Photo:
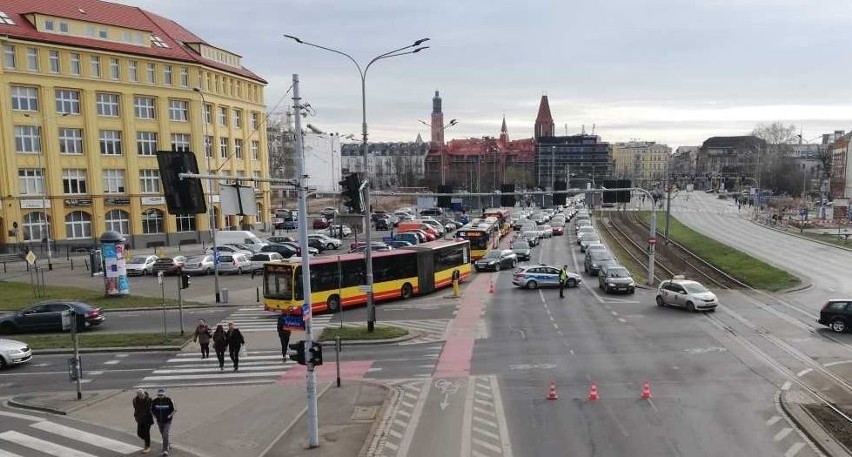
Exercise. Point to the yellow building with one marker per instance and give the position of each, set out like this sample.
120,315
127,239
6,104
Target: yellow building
642,162
89,91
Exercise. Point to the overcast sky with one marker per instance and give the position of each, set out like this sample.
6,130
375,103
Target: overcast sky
671,71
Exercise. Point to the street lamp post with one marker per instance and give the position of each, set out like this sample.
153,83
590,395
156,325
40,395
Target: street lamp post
212,215
368,251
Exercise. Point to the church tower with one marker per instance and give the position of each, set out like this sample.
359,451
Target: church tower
544,121
504,134
437,121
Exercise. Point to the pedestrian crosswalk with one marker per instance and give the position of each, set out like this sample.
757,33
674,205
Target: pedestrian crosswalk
44,437
255,319
189,370
429,330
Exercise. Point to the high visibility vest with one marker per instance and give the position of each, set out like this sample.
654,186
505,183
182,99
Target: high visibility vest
563,274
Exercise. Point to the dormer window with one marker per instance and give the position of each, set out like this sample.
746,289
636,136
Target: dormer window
4,19
158,42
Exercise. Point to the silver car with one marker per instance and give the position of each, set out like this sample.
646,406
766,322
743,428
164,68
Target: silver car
141,265
261,258
234,263
521,248
587,239
199,265
690,295
14,352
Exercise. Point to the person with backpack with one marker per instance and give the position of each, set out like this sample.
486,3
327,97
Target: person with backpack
220,344
283,335
235,343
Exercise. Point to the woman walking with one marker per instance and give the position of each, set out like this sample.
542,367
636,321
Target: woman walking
235,343
220,343
144,418
202,335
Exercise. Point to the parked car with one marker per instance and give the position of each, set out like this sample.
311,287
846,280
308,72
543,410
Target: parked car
683,293
247,248
47,316
616,279
199,265
377,247
521,248
329,212
335,229
320,223
836,314
170,265
286,250
295,245
228,249
280,239
234,263
383,224
496,260
257,260
535,276
290,225
396,244
141,265
328,242
14,352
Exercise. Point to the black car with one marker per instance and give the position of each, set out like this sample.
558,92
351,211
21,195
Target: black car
836,314
496,260
47,316
383,223
285,250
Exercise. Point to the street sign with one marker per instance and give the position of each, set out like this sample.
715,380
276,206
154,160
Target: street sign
652,241
160,278
294,321
31,258
364,288
306,312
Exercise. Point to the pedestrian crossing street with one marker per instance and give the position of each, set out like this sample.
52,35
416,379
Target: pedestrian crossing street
44,437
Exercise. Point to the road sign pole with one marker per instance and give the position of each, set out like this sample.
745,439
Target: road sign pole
163,290
75,335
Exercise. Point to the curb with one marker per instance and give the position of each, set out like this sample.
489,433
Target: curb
110,350
171,307
410,336
801,237
808,425
797,289
377,421
47,409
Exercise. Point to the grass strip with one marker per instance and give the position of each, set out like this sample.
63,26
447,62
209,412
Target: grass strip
754,272
359,332
637,270
104,340
19,295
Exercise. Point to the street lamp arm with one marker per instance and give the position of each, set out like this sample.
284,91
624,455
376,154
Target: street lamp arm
297,40
394,53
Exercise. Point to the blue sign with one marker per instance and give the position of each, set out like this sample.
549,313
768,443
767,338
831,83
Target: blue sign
294,321
305,311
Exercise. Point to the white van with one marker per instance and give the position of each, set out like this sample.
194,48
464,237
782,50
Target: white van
238,237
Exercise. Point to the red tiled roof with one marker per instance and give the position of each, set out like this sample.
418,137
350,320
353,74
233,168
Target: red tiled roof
101,12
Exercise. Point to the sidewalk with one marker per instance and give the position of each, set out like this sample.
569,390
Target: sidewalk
240,421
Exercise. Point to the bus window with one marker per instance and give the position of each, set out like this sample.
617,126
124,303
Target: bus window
279,284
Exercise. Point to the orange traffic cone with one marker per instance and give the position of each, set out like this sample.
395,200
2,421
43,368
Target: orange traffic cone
593,392
491,287
646,391
551,394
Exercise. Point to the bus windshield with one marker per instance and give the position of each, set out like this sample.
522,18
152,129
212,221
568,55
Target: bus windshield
278,283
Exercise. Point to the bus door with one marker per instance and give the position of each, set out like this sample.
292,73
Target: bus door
426,270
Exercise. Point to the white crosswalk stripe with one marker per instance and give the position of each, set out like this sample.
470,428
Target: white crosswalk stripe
255,319
51,438
432,329
187,369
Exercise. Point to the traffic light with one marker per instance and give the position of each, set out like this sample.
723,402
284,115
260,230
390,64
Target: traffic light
184,281
351,195
610,197
299,355
559,198
183,196
444,202
623,196
315,358
507,201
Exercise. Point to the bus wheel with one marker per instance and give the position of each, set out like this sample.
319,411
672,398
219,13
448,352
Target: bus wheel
407,291
333,303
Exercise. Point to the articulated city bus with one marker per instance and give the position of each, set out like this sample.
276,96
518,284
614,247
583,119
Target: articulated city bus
483,234
337,280
503,217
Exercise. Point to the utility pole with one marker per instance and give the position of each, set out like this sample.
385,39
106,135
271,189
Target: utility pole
307,311
668,201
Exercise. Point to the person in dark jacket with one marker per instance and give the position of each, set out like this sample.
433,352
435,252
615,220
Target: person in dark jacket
163,410
144,419
283,335
235,343
202,335
220,344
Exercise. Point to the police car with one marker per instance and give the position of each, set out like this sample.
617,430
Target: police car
535,276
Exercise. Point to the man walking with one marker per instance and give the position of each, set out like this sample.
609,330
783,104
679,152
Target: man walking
235,343
144,419
283,335
563,278
163,410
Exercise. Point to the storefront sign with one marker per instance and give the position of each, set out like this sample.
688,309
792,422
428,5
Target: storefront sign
78,202
153,200
34,204
117,201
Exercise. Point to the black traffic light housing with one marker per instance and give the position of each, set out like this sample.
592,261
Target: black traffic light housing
315,358
445,201
610,196
184,281
559,198
349,188
299,355
507,200
183,196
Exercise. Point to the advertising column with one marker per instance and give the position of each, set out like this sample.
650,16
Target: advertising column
115,276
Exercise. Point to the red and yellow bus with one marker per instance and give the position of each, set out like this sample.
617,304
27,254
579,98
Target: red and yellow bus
503,217
483,234
337,280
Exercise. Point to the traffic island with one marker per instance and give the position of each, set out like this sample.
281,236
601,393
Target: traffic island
826,429
358,334
89,342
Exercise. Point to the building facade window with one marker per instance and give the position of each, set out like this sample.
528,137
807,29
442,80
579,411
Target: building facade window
75,64
255,120
113,181
223,147
34,226
149,181
144,107
152,74
255,150
208,146
208,114
133,70
9,60
223,116
110,142
146,143
255,183
63,27
67,101
107,104
179,110
70,141
152,221
167,75
238,119
184,77
28,139
78,224
95,66
32,59
238,148
181,142
74,182
118,221
24,98
31,181
114,69
185,222
55,66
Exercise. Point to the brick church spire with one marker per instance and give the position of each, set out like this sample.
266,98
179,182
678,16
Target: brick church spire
544,121
437,121
504,133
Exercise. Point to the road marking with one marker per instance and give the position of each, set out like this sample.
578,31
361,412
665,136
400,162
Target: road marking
467,418
392,446
615,419
482,431
772,420
483,411
486,445
221,376
85,437
485,421
8,454
121,356
804,372
794,449
614,313
622,320
831,364
782,434
25,417
112,362
95,373
394,433
409,428
555,326
41,445
786,385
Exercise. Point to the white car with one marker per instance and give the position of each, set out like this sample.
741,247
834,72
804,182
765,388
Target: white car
335,229
327,241
14,352
547,230
141,265
261,258
683,293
